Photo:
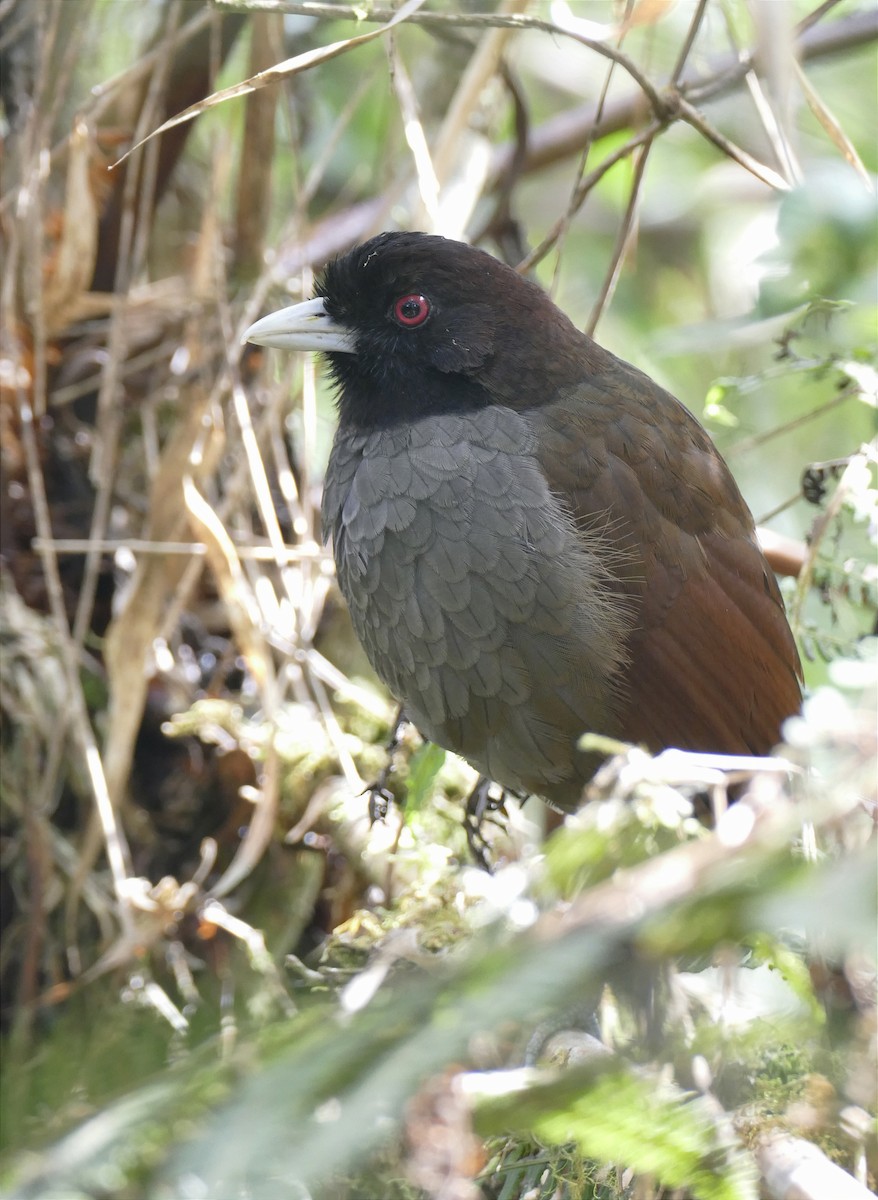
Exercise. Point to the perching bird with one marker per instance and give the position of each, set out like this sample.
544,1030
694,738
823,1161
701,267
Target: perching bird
534,539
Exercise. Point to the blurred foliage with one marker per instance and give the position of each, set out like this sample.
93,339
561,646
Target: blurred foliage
262,996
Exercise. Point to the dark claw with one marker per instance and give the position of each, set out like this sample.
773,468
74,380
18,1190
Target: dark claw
380,800
482,806
380,795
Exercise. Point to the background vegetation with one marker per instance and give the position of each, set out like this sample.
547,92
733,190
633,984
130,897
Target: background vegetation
218,979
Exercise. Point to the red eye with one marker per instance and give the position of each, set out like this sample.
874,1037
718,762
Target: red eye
411,310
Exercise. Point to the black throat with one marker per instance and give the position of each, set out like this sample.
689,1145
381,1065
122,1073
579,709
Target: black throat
372,401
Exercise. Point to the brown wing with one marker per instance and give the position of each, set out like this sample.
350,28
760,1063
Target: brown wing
713,664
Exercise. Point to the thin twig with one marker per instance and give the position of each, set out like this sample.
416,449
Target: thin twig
586,184
817,15
290,554
578,194
118,854
688,42
623,238
132,251
425,172
451,141
563,135
745,445
698,121
104,93
459,20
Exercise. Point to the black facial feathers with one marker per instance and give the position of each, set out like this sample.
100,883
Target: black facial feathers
485,328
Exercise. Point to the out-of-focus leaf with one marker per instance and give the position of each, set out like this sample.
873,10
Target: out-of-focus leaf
836,906
832,126
615,1115
426,763
336,1091
325,1091
714,404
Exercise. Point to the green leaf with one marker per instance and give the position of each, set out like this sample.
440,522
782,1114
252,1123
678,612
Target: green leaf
618,1116
426,763
715,408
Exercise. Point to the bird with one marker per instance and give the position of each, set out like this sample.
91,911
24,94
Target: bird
534,539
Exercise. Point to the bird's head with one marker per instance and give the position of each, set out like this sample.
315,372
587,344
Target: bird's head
413,324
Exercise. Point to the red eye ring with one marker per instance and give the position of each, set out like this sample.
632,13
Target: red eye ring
412,310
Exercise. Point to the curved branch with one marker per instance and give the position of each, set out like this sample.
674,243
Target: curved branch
561,136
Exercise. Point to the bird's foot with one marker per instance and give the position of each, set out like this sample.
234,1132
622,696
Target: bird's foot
380,800
379,792
483,804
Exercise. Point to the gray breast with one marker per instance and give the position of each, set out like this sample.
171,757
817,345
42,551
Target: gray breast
479,603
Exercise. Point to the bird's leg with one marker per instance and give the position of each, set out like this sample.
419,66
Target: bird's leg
380,795
481,805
